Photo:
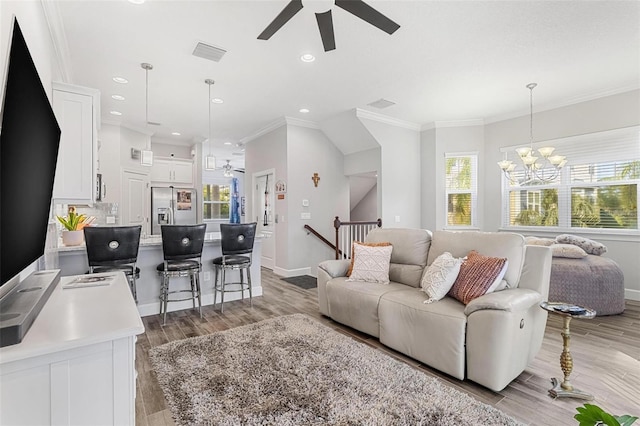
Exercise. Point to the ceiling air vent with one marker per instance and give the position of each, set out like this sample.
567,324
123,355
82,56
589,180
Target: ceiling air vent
209,52
381,103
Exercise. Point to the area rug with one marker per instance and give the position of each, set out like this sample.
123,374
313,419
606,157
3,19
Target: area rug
302,281
292,370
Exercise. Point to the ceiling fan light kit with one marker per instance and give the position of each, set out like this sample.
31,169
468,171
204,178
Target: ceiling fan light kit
325,20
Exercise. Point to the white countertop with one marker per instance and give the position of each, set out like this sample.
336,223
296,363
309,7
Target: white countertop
77,317
149,240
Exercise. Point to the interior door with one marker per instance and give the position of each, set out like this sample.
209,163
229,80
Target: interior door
264,213
135,199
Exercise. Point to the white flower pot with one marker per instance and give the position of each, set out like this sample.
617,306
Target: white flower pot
72,238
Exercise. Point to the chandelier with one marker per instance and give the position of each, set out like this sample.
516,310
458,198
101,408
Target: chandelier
228,169
209,160
534,172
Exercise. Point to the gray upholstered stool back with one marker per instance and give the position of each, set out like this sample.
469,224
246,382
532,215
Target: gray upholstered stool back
237,238
112,245
180,242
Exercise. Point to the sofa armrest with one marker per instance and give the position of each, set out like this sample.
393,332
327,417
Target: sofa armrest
512,300
335,268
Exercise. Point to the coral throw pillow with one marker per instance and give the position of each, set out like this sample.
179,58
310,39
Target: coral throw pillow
353,252
371,264
478,274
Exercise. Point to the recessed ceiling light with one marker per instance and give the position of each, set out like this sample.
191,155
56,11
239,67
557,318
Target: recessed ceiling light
120,80
217,100
304,110
136,1
115,113
227,143
117,97
176,133
307,57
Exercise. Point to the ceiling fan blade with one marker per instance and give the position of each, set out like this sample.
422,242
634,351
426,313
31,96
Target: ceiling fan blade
325,25
283,17
369,14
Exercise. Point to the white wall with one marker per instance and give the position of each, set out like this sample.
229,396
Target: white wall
611,112
399,176
310,151
367,208
164,148
428,189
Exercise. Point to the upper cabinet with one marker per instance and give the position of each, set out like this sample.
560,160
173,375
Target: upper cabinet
172,171
77,111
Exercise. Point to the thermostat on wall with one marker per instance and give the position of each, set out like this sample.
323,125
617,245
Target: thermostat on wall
305,203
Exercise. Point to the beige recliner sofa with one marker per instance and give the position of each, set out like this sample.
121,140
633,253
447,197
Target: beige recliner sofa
490,341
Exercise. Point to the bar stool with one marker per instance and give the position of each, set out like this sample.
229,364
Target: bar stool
182,250
237,240
114,249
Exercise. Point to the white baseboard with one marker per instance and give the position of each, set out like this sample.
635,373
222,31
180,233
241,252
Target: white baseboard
153,308
291,272
632,294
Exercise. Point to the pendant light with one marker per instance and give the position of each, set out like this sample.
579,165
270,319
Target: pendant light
533,172
146,156
209,160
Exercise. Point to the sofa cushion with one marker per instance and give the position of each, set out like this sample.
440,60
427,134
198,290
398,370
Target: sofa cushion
438,278
495,244
410,250
478,275
366,254
355,303
432,333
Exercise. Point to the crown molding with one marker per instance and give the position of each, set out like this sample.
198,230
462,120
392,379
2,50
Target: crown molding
292,121
58,38
567,102
452,123
381,118
264,130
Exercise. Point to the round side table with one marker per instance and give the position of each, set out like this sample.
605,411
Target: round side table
567,311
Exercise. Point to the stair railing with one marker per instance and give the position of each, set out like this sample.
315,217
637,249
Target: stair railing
348,232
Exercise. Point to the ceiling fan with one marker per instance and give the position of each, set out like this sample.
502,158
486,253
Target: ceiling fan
325,21
229,169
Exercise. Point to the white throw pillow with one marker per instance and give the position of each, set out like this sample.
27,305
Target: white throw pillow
568,250
371,264
439,277
499,283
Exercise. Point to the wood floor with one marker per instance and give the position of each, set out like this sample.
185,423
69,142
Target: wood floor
606,355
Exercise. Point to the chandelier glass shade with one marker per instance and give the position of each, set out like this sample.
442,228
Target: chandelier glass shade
543,167
209,160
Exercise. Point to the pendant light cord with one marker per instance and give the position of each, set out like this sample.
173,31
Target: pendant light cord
209,102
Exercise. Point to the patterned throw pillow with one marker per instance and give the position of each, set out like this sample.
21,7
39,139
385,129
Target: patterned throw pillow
353,256
439,276
567,250
477,275
371,264
589,246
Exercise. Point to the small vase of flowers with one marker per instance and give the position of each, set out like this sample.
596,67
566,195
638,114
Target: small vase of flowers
73,234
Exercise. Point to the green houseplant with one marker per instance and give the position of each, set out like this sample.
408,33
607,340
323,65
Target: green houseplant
592,415
73,223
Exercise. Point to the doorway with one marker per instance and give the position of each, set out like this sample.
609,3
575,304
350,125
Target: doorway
265,215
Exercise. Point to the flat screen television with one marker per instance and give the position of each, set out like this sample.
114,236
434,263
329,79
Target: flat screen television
29,140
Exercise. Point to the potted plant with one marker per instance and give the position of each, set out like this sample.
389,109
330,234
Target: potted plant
592,415
73,234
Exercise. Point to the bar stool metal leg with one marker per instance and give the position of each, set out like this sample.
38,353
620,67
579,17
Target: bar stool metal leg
242,283
250,286
215,286
222,291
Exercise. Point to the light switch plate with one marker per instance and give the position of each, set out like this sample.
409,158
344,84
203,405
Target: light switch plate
305,215
111,220
397,219
305,203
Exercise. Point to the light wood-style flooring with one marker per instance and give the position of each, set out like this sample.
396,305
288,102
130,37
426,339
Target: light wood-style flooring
606,356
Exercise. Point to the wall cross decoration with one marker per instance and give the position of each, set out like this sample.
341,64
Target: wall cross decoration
315,178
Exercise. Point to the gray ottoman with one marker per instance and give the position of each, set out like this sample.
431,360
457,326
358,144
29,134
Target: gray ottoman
594,282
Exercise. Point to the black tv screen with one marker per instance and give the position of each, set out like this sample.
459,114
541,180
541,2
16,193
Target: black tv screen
29,139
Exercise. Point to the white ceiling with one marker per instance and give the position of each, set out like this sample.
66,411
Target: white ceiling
450,60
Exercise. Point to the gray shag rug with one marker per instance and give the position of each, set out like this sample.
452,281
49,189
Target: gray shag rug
292,370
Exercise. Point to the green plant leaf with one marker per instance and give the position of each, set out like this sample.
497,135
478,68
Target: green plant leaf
626,420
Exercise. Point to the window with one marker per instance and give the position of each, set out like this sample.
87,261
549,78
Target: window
461,189
598,189
216,201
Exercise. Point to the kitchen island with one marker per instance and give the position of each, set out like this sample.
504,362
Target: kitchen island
73,261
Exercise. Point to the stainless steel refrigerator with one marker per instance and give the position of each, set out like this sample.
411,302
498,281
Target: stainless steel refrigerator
173,206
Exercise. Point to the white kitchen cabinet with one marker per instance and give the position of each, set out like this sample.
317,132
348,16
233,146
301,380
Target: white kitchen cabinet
76,364
76,109
172,171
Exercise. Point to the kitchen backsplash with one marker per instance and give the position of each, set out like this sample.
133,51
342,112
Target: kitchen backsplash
106,214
